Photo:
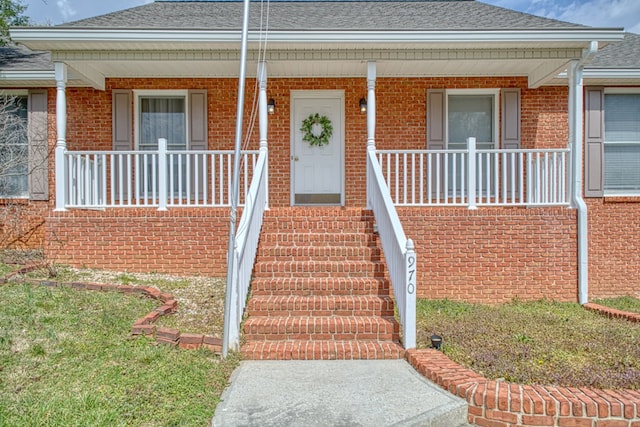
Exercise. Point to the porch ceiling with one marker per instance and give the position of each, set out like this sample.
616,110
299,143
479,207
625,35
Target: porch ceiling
538,64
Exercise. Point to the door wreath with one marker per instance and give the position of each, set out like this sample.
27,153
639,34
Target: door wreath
317,130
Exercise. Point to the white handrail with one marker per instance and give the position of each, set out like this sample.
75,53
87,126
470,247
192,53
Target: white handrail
398,251
118,179
244,255
496,177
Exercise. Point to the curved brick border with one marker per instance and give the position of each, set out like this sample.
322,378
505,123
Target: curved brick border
145,325
504,404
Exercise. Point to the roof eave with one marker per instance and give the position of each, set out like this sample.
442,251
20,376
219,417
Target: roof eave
53,38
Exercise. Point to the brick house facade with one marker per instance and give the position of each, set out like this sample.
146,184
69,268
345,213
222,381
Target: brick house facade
492,254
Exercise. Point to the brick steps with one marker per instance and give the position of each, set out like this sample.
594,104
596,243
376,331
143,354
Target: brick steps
306,286
321,328
320,289
345,268
321,350
320,253
294,305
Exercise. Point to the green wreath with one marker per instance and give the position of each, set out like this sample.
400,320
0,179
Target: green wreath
317,130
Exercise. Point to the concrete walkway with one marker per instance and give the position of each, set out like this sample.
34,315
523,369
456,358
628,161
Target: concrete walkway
335,393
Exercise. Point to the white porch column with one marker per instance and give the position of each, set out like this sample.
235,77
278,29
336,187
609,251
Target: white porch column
263,116
61,132
371,105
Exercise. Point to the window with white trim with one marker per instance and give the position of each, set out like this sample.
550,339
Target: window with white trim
621,175
161,114
472,113
14,147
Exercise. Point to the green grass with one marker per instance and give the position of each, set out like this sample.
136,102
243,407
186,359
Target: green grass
67,358
539,342
626,303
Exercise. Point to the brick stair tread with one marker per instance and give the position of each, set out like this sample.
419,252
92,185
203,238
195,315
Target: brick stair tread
307,286
323,305
321,328
343,238
313,268
319,253
321,350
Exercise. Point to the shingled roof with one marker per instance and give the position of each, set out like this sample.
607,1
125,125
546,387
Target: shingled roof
625,54
324,15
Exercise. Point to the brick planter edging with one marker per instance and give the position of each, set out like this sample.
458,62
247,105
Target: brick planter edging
145,325
495,403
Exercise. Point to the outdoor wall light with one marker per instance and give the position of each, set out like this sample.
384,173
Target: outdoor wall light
271,106
363,105
436,341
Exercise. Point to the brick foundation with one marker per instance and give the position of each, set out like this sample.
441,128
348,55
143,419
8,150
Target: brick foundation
493,255
179,241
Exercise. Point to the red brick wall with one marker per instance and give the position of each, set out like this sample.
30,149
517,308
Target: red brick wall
614,247
401,123
493,255
180,241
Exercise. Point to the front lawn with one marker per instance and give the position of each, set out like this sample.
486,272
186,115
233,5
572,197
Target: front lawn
67,358
539,342
626,303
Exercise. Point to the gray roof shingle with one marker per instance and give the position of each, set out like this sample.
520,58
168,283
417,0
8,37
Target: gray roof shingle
323,15
20,58
625,54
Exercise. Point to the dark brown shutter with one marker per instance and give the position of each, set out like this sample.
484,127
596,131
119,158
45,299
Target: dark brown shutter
436,116
37,134
511,118
122,122
198,135
594,141
198,120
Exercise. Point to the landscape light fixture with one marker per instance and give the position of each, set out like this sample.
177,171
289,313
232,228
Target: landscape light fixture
436,341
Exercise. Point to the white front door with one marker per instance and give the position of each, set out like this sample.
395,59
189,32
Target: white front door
317,171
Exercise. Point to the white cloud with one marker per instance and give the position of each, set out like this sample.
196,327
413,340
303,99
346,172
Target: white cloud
66,11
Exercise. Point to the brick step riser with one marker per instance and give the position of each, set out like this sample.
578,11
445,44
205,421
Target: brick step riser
306,227
321,328
318,239
318,253
319,269
321,350
320,287
283,308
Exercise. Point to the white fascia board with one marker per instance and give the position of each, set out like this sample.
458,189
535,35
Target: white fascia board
606,73
594,73
28,75
45,38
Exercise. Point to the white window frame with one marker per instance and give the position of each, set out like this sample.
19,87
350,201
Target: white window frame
616,91
496,110
21,93
137,94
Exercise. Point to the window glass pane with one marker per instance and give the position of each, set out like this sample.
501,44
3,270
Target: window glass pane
622,144
14,150
470,116
622,168
622,117
162,117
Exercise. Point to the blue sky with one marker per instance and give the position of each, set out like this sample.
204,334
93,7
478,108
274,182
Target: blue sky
597,13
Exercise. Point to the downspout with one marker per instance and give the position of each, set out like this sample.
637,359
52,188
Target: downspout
576,96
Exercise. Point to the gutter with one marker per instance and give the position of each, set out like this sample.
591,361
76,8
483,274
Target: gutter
576,109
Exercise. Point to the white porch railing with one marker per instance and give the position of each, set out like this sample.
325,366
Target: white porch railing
244,255
398,250
494,177
117,179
